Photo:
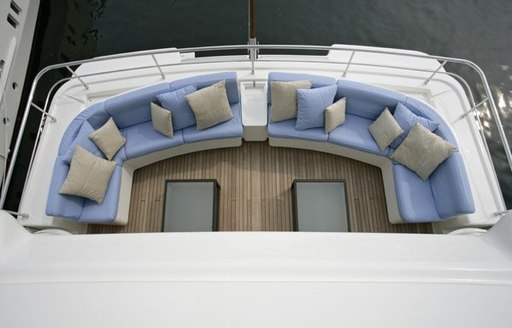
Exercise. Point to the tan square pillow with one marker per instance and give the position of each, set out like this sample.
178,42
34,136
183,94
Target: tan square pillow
284,99
108,139
422,151
162,120
385,129
210,105
335,115
88,176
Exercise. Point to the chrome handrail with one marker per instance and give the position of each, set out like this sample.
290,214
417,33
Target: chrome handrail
252,48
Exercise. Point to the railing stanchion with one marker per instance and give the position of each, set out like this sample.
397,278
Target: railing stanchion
476,106
23,215
349,63
434,73
78,77
158,66
54,119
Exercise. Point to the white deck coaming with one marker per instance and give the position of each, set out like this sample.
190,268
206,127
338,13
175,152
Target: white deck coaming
486,192
257,257
243,304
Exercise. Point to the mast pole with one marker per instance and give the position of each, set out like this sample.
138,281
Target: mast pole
253,52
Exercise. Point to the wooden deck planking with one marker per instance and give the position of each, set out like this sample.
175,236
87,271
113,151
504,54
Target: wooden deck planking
255,191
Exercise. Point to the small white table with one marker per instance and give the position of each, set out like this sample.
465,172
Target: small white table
320,205
254,110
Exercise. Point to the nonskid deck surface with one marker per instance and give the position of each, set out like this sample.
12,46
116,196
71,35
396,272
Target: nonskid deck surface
255,192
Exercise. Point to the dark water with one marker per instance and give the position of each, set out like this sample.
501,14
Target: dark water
477,30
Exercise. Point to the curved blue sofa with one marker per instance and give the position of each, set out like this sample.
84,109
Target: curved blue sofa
131,113
445,194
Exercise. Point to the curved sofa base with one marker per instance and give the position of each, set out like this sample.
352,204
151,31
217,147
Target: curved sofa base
381,162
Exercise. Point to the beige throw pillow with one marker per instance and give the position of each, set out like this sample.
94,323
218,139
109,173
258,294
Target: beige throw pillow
335,115
422,151
210,105
88,176
162,120
108,139
284,99
385,129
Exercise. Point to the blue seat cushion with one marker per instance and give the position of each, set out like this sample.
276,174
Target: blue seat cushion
230,129
62,205
367,100
317,80
415,200
105,212
286,129
134,107
354,134
142,139
82,139
203,81
451,189
407,120
175,101
311,104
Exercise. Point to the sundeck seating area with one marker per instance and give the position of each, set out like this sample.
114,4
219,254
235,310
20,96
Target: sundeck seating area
445,193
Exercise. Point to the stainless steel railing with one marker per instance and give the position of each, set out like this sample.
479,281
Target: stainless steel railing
252,49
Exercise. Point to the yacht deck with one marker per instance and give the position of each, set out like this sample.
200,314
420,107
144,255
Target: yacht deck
255,195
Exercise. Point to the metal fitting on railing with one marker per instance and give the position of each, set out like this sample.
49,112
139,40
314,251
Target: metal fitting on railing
78,77
349,63
23,216
158,66
501,213
54,119
474,108
434,73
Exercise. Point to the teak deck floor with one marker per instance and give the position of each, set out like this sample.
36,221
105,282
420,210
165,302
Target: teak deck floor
255,189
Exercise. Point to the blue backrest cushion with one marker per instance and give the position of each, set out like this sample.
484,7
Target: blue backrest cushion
422,109
366,100
203,81
317,80
134,107
175,101
75,125
407,120
99,116
82,139
311,104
